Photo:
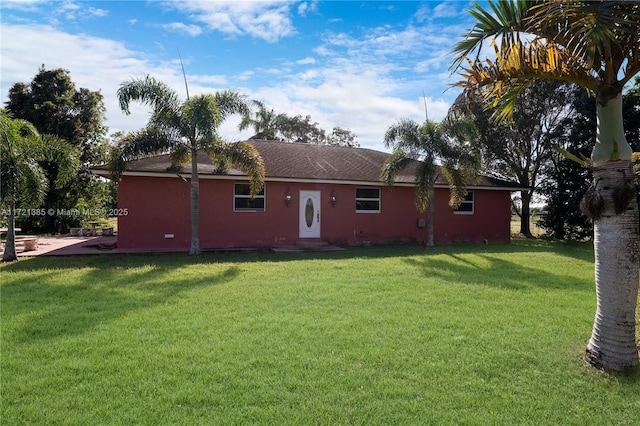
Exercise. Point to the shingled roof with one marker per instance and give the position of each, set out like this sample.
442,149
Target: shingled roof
304,162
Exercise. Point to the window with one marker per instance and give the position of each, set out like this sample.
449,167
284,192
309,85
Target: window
466,207
242,201
367,200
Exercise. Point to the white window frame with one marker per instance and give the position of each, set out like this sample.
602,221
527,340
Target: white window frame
469,200
378,199
261,195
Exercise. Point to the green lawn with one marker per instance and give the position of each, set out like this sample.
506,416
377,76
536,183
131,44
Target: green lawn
383,335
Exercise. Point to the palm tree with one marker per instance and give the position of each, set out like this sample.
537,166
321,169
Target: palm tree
265,124
425,145
22,179
595,45
183,129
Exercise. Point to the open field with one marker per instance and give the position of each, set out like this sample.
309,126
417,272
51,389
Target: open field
459,334
536,230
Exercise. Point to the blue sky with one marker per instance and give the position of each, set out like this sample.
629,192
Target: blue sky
361,65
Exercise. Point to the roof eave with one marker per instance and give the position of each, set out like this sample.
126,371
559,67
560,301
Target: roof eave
106,173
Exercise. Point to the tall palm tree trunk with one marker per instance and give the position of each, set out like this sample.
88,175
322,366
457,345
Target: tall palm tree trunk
431,214
10,254
613,340
195,204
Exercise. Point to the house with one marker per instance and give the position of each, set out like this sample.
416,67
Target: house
312,192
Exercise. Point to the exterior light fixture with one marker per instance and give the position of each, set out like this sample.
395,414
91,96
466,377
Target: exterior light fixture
288,197
333,198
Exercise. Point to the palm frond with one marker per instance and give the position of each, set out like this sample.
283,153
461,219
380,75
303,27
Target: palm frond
600,33
426,175
457,185
595,44
256,107
510,18
404,136
151,92
204,114
22,147
583,160
33,183
516,67
180,155
393,165
245,157
136,145
230,103
64,155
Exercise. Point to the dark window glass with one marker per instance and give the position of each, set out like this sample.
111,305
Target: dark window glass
367,205
367,193
367,199
244,189
467,205
242,199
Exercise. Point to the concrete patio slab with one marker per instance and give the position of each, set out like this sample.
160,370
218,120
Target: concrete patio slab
66,245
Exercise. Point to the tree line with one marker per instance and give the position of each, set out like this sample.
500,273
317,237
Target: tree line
547,115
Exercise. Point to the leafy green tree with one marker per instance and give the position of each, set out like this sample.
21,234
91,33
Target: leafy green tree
269,125
428,144
631,114
301,130
55,107
342,137
183,129
567,181
595,45
520,149
23,182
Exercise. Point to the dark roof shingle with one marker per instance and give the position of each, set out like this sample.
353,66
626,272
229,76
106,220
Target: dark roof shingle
300,161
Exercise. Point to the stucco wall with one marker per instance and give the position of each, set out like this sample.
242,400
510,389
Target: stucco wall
159,216
489,223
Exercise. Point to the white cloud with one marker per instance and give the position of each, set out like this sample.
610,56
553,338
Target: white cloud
98,12
437,61
215,80
244,76
71,11
306,7
445,10
306,61
94,63
266,20
364,83
68,6
68,9
27,5
353,95
191,30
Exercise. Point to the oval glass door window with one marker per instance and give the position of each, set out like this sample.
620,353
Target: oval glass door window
308,213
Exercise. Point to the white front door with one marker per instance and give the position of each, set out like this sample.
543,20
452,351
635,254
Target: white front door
309,214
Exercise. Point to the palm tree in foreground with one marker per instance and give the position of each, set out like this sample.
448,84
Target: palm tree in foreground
596,45
183,129
22,179
425,145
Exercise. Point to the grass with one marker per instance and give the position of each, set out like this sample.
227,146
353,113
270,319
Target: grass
384,335
534,226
